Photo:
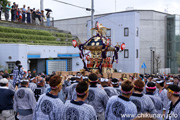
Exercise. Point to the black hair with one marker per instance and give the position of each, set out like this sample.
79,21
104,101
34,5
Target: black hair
141,75
24,83
161,84
3,84
114,80
85,79
78,73
151,84
81,88
18,62
176,77
48,78
93,77
6,75
174,88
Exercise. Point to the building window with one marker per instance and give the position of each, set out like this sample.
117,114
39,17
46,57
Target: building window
137,31
126,31
136,53
126,53
69,64
11,65
108,33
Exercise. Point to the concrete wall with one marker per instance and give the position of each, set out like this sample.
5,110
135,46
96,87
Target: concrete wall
153,34
117,22
51,51
76,67
16,51
21,51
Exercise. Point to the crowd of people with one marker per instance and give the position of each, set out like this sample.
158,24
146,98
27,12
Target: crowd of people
24,15
31,96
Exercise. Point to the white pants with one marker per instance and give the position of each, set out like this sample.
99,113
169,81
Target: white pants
37,21
27,117
7,115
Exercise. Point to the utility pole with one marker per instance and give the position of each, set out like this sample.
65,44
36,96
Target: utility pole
115,5
41,5
92,13
92,16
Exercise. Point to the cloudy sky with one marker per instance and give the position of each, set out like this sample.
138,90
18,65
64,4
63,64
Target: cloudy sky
62,11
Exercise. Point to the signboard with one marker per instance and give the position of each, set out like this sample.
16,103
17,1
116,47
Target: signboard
143,66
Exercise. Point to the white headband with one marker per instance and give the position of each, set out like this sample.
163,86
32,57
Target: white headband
24,80
104,80
161,81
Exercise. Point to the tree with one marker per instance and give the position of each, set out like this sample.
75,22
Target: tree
157,62
4,3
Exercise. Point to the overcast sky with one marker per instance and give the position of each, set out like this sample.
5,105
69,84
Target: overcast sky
61,11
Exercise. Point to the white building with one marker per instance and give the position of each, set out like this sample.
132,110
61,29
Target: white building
39,57
143,31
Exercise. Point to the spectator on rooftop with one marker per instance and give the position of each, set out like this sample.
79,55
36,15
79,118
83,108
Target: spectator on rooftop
13,12
42,17
33,16
37,17
1,8
28,15
20,15
17,13
23,13
48,18
8,7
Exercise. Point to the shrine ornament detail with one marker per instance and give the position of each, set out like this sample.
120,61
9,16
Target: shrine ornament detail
94,51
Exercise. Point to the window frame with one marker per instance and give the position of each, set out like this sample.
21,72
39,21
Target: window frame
109,32
126,50
137,53
126,28
137,31
11,65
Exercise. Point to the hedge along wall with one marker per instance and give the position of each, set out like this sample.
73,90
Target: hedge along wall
34,37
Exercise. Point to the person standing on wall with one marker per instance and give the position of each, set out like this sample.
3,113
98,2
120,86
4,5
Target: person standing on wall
33,16
12,11
23,13
1,8
48,18
42,17
28,15
8,7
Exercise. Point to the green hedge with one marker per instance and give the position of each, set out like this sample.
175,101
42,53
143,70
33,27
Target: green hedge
69,35
35,42
26,36
24,31
34,37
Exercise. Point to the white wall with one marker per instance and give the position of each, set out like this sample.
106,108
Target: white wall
153,34
74,66
16,51
20,52
51,51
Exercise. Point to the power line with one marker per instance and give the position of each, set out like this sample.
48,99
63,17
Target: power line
73,5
